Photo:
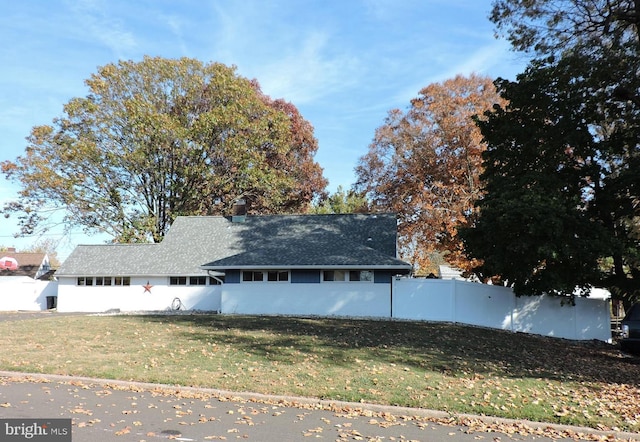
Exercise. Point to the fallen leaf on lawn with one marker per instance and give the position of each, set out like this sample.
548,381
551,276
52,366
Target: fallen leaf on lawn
124,431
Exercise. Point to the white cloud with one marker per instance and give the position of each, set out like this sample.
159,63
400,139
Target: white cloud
309,72
97,23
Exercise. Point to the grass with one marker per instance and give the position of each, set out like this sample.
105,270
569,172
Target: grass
430,365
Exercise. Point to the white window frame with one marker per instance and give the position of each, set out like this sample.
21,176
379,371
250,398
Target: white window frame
198,278
348,275
103,281
178,281
265,276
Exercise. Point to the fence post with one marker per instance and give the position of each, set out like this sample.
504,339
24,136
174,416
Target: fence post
393,282
454,291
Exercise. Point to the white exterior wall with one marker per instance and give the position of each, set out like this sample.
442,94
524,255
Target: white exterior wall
411,299
24,293
323,299
74,298
498,307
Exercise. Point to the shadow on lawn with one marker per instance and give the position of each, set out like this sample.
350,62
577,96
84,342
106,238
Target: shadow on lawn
441,347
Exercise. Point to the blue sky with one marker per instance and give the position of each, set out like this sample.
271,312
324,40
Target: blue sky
343,63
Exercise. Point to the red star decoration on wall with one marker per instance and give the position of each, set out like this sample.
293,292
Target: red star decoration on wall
147,287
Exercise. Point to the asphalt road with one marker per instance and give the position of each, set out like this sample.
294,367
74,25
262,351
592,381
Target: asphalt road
103,410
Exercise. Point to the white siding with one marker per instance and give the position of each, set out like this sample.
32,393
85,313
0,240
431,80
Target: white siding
74,298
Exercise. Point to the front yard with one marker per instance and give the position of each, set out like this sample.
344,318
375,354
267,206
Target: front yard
449,367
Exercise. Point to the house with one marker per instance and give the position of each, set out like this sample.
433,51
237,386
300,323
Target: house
339,264
25,281
324,265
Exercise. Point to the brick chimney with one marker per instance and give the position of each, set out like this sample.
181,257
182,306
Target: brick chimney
239,212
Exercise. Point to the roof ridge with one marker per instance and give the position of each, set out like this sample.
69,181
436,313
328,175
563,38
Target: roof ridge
265,215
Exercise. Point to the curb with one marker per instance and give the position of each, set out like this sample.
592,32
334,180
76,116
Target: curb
295,401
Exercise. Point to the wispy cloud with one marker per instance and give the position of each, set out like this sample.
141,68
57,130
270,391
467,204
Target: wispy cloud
310,71
299,63
97,23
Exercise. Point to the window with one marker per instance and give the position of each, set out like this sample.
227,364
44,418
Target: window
178,280
347,275
278,275
197,280
334,275
121,280
216,280
249,276
269,275
194,280
103,280
361,275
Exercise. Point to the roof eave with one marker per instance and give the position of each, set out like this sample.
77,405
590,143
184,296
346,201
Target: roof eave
310,267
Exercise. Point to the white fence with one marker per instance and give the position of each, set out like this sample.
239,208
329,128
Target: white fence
427,300
24,293
410,299
498,307
363,299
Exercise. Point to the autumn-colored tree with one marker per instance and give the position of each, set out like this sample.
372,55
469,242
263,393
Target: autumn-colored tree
307,174
425,165
160,138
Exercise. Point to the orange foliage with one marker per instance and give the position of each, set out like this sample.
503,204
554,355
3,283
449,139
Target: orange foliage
425,166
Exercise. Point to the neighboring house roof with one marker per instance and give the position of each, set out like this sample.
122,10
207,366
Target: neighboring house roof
195,244
28,264
448,272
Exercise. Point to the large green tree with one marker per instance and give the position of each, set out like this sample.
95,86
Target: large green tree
160,138
561,170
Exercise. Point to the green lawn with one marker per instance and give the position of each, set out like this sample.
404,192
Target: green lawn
430,365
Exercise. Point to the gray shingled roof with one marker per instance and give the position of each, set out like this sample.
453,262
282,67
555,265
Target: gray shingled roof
214,242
